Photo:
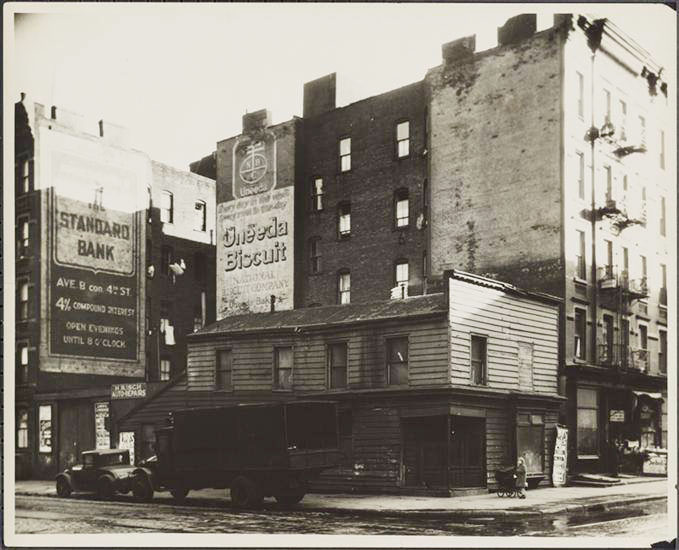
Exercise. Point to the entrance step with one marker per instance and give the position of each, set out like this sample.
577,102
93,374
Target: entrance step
593,480
468,491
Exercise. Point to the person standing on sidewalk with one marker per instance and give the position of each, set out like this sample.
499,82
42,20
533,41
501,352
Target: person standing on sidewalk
521,482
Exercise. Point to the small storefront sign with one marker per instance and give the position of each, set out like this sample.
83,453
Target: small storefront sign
560,457
45,428
616,415
128,391
126,441
655,464
101,412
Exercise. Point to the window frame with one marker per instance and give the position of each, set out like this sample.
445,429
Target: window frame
662,351
275,385
23,306
401,195
46,449
23,242
581,94
25,173
597,408
484,365
164,210
340,291
398,263
202,226
22,428
315,266
22,369
218,382
577,311
330,367
317,194
341,156
163,362
663,218
388,340
341,214
581,256
580,155
406,140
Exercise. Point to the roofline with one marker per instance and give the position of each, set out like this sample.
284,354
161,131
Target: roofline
316,326
504,287
159,391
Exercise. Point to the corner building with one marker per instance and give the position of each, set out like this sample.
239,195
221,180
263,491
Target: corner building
114,266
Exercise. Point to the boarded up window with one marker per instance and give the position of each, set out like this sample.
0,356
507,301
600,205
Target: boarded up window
525,366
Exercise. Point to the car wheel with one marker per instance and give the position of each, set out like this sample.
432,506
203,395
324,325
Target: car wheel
63,488
105,487
141,488
289,499
245,493
179,493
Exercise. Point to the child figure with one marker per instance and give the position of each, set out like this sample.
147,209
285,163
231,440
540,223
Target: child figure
521,483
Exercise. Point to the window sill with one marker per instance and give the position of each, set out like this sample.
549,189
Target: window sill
401,227
588,457
344,237
579,281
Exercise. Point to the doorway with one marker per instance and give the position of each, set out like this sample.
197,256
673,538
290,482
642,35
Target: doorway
76,431
467,451
424,451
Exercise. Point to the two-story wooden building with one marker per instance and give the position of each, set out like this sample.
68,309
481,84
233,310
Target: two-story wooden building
435,392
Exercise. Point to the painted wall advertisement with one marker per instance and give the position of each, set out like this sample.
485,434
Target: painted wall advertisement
560,457
255,231
93,286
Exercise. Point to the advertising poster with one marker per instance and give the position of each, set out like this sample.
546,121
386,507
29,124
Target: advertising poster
560,457
126,441
101,412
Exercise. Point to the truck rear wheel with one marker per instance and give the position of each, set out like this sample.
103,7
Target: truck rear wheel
179,493
245,493
141,488
105,488
289,499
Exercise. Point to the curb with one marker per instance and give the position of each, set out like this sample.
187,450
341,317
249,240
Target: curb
572,509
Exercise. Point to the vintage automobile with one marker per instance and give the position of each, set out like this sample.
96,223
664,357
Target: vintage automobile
104,471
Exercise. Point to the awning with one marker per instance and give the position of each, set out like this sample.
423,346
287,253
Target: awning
652,395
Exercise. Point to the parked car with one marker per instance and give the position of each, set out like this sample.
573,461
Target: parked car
104,471
256,450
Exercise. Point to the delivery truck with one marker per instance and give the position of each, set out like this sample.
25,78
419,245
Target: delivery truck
255,450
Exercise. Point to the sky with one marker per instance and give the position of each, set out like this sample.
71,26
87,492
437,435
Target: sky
180,77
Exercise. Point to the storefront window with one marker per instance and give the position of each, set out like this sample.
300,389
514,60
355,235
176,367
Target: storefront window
588,423
22,429
45,428
530,441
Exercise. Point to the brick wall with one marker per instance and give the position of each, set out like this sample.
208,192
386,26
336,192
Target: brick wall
376,173
495,163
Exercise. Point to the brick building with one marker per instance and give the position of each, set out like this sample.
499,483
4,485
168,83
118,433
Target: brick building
544,161
114,266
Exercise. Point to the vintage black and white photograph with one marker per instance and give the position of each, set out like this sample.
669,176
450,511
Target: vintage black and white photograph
330,275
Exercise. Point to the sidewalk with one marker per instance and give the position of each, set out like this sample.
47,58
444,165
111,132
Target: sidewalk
539,502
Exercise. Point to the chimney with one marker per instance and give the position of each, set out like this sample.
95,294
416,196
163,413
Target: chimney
259,120
320,95
517,28
68,119
114,134
272,300
458,50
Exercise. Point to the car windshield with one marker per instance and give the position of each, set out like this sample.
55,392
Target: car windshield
113,459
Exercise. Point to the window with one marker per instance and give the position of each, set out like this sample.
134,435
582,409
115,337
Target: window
344,219
22,429
200,213
606,353
581,175
587,423
24,308
625,262
623,119
478,360
23,237
165,319
402,208
642,130
345,154
317,195
165,369
199,267
662,149
644,269
580,267
166,254
643,337
45,428
609,183
581,95
283,368
662,216
199,312
22,363
662,351
663,289
224,371
580,347
25,169
167,207
315,254
344,287
403,139
530,441
401,278
607,105
609,257
337,365
397,361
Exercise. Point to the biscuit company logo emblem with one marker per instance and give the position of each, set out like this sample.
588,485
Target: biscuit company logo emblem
254,166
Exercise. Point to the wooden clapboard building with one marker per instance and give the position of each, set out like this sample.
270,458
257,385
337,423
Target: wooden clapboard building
435,392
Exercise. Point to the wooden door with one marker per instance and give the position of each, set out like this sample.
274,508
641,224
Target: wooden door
424,451
76,431
467,452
